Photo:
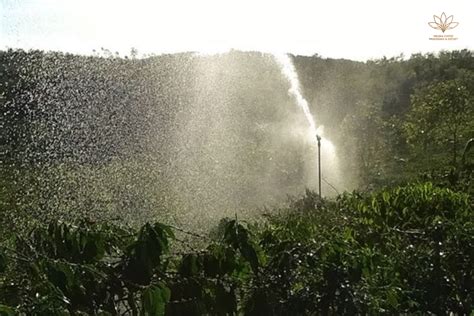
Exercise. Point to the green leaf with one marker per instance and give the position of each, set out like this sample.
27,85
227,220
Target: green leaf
154,300
211,265
226,302
61,275
6,311
392,298
189,265
144,254
94,247
3,261
249,254
386,196
237,236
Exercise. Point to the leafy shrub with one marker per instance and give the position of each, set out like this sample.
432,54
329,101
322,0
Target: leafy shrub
401,250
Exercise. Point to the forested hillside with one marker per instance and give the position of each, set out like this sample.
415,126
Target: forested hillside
394,118
372,111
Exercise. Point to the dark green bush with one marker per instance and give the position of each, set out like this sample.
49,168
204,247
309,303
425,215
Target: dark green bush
403,250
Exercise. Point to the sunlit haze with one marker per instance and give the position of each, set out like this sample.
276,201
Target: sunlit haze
358,30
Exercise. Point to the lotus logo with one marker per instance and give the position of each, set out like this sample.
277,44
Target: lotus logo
443,23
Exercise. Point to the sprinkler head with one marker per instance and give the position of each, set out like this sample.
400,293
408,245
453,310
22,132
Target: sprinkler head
318,138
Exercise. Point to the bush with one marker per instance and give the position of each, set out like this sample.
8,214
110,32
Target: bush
401,250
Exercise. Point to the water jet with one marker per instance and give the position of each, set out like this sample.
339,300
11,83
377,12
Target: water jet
289,71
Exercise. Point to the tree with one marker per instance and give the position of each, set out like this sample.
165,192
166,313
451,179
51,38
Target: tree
364,137
440,117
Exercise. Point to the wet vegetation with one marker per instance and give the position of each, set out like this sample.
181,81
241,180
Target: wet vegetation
110,166
402,250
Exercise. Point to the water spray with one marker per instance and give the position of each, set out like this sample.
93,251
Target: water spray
288,69
318,138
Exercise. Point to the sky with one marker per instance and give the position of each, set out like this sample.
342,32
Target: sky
357,30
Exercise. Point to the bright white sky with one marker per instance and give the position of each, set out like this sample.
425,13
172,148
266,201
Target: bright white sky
359,30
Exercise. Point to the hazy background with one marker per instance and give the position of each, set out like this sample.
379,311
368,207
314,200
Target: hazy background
358,30
110,112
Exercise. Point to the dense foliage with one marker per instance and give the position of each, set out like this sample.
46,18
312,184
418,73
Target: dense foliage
172,123
403,250
86,139
394,117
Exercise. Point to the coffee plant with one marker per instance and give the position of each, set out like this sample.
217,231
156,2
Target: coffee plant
408,250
